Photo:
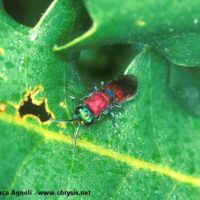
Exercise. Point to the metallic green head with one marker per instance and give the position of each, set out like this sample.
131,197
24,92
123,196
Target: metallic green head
84,115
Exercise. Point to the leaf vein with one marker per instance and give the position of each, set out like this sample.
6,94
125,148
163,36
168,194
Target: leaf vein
102,151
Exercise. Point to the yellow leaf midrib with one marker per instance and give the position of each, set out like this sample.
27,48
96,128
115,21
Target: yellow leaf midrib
102,151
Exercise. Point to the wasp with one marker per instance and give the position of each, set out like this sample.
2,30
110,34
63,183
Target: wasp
103,101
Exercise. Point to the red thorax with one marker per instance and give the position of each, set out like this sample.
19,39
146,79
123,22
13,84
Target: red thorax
98,102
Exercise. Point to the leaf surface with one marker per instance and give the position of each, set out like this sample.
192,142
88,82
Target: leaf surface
155,155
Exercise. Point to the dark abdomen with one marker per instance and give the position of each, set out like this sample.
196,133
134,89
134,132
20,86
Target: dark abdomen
124,87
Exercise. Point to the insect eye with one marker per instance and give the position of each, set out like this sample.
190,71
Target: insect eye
78,110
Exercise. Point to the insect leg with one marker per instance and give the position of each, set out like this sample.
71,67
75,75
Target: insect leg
96,88
76,135
119,106
78,99
99,117
115,124
102,85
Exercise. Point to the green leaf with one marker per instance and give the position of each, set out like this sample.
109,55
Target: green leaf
155,155
123,164
184,84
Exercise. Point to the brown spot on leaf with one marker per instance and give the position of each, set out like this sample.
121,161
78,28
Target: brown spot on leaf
63,105
2,107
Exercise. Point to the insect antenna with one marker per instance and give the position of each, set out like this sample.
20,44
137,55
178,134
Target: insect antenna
63,121
70,121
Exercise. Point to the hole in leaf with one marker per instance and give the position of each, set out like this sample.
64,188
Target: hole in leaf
106,62
26,12
29,108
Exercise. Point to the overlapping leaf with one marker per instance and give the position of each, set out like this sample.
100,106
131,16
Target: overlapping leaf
155,23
